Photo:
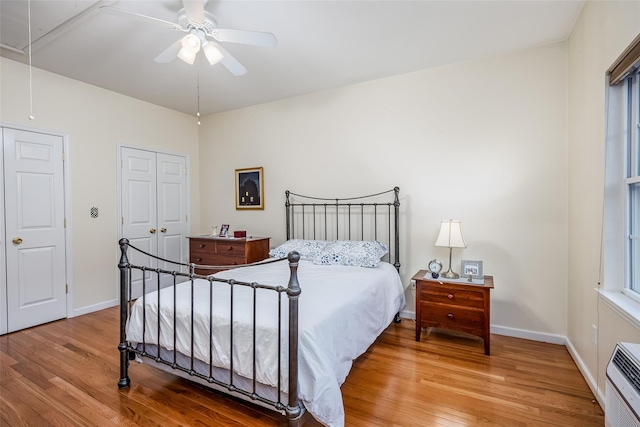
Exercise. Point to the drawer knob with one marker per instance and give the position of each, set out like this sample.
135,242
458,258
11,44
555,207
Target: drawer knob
450,315
230,248
198,259
201,245
450,296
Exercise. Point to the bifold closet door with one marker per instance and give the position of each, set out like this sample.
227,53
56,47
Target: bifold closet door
154,218
34,228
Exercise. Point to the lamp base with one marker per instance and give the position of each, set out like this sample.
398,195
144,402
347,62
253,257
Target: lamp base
450,275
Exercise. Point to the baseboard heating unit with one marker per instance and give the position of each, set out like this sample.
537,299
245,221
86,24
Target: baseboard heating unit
623,387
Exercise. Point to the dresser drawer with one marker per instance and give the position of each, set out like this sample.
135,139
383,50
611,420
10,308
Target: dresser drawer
203,258
451,296
231,249
451,317
202,246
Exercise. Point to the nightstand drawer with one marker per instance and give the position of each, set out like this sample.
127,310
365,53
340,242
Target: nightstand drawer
451,317
443,295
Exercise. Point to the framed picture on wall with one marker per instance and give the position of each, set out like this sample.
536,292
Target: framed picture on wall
249,188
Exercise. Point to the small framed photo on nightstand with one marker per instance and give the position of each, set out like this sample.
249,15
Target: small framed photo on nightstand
472,269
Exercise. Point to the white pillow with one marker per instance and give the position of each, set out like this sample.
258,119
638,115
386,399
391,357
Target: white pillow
352,252
308,249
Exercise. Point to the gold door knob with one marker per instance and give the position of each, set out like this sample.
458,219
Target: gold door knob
152,231
16,240
164,230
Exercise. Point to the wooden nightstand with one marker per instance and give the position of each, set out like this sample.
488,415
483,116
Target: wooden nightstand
205,250
456,305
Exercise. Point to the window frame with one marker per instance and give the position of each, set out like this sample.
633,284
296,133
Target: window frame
632,179
622,155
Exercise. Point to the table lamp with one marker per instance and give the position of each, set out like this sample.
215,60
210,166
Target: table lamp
450,237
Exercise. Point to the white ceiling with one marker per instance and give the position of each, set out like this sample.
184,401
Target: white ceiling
321,44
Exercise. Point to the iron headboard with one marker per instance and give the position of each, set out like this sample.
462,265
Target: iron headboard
371,217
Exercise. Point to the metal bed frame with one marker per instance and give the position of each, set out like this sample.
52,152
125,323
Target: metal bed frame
348,218
345,218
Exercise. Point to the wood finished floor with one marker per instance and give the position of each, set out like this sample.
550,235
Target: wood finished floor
65,373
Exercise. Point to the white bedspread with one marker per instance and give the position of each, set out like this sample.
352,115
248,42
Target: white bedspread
342,311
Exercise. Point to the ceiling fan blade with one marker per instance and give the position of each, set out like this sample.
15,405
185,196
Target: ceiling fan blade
170,53
231,63
255,38
194,9
144,18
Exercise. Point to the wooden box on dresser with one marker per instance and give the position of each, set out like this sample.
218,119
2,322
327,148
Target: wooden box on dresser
205,250
456,305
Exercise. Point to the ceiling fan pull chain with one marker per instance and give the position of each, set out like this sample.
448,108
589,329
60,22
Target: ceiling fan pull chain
198,84
30,68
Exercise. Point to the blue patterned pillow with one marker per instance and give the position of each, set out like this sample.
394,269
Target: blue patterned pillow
308,249
351,252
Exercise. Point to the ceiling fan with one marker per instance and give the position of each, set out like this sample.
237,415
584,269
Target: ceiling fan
202,33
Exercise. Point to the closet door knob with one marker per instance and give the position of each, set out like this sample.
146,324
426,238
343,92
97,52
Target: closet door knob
16,240
163,230
152,231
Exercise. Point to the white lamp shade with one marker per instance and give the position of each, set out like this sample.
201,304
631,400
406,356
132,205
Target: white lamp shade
191,42
450,235
187,55
190,48
212,53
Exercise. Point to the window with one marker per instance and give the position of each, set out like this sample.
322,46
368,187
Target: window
621,222
632,179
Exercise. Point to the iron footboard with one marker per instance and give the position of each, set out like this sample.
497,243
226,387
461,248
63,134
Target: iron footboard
292,409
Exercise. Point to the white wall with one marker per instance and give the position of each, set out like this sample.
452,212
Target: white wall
95,121
483,141
602,32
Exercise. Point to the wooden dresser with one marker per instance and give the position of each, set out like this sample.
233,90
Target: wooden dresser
456,305
205,250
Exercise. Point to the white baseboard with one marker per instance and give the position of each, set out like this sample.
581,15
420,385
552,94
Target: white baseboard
591,382
529,335
96,307
509,332
406,314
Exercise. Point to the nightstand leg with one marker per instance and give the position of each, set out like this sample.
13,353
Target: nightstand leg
418,331
487,349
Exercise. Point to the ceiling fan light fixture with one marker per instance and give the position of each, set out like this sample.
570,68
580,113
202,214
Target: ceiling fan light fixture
190,48
191,42
212,53
187,55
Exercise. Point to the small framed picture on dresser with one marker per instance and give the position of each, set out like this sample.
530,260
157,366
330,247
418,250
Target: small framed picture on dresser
224,229
472,269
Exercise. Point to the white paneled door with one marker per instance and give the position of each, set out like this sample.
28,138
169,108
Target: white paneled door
154,212
34,231
172,208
